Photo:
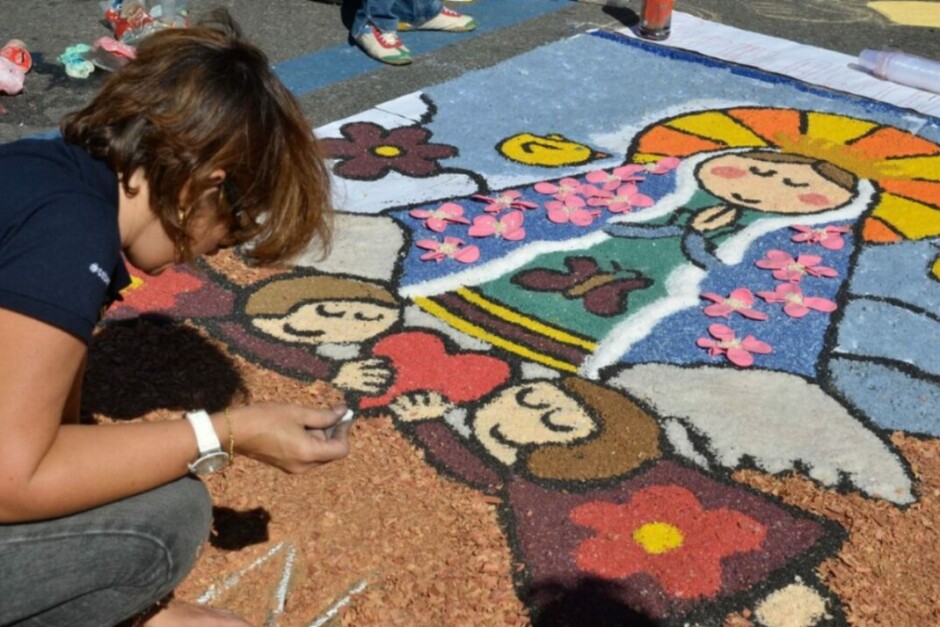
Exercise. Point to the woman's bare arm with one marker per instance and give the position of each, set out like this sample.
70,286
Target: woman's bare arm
50,469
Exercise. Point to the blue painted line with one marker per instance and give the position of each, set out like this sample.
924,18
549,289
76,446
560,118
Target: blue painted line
316,70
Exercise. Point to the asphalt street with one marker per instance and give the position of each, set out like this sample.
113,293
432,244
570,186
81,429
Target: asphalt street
308,43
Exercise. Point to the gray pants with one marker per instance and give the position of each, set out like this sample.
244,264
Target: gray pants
104,565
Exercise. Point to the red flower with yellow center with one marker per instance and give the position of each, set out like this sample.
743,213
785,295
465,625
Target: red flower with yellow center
665,531
157,293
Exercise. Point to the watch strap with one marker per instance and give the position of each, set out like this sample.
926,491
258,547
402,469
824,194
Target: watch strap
206,437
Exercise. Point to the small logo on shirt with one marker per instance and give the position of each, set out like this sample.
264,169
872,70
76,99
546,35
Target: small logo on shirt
101,274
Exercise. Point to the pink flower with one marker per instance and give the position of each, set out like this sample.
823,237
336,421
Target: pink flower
622,201
829,237
565,188
786,268
437,220
451,248
572,210
611,180
509,227
738,351
509,198
663,165
741,300
795,304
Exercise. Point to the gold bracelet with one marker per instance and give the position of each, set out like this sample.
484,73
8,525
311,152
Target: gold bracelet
231,436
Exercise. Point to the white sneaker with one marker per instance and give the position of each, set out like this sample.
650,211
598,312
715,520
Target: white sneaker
447,19
384,47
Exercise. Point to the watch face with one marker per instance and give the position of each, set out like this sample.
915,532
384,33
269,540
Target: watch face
210,462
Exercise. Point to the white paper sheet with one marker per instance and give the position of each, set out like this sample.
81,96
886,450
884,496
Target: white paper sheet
806,63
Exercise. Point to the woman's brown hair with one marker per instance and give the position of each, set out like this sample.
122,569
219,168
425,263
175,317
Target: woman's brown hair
201,99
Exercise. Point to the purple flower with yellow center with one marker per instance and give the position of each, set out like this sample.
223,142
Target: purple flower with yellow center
367,151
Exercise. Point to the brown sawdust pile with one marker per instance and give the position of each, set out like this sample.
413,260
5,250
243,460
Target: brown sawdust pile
228,263
428,549
888,570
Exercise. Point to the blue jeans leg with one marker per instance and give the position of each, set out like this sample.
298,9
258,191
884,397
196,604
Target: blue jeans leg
385,14
99,567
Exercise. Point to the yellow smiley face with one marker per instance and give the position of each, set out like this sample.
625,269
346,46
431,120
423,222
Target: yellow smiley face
551,151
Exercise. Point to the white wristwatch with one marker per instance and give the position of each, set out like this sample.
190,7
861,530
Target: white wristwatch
211,457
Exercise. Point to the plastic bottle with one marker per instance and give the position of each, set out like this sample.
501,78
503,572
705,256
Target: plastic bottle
903,68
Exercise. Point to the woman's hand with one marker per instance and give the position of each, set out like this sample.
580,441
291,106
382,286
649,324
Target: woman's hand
289,437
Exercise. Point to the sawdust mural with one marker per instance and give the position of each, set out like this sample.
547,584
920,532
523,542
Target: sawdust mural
601,308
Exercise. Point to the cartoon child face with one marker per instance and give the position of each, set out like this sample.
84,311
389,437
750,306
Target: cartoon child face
774,187
330,322
533,413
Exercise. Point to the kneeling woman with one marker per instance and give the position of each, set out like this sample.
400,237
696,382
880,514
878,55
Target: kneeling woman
193,146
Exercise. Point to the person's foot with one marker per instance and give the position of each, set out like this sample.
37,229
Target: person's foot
447,19
384,47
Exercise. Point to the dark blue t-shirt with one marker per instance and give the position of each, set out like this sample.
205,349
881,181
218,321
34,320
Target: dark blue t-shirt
60,247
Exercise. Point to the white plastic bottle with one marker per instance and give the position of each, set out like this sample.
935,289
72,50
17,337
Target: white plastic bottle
903,68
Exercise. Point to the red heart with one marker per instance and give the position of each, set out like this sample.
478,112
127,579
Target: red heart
421,362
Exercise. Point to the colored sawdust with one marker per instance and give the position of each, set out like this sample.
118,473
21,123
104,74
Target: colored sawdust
888,570
228,263
429,550
925,14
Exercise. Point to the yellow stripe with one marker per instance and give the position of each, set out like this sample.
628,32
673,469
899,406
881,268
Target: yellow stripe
719,127
837,129
473,330
922,168
524,321
912,219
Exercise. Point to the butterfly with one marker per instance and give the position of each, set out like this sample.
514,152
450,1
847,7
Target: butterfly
602,293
